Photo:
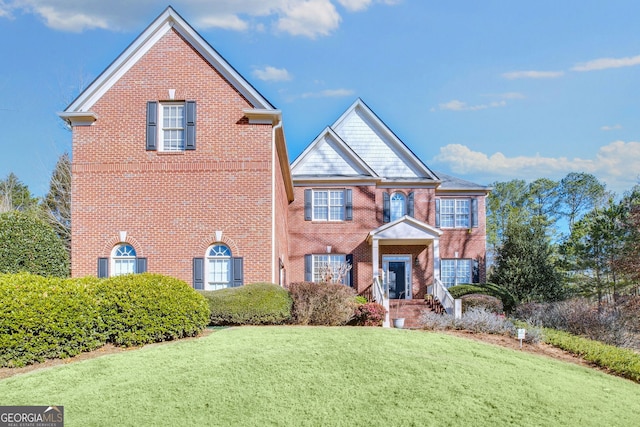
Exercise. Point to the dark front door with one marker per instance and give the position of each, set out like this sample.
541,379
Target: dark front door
397,282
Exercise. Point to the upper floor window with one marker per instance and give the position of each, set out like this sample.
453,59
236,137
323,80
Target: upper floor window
328,205
456,213
172,131
171,126
398,206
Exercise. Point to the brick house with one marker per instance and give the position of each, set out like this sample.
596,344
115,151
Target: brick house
180,167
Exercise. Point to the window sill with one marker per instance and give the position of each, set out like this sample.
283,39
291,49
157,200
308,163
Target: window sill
170,153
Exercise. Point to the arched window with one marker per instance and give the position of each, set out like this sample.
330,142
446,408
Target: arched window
123,260
218,267
398,207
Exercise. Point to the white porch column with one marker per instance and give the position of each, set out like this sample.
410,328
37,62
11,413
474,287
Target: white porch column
375,262
436,259
375,255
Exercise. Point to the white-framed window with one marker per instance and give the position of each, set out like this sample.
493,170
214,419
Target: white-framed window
455,271
455,213
398,206
171,117
328,205
123,260
218,267
330,268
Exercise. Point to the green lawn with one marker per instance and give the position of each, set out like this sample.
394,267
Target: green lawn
312,376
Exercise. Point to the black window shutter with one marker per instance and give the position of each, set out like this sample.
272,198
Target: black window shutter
410,205
386,208
103,267
349,260
198,273
307,204
348,205
475,272
438,213
141,265
152,125
190,141
237,278
474,212
308,268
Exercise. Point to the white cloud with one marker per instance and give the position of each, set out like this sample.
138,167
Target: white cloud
608,128
355,5
612,164
309,18
329,93
272,74
531,74
605,63
456,105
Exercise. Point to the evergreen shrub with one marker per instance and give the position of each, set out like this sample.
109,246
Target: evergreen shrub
143,308
252,304
44,318
507,298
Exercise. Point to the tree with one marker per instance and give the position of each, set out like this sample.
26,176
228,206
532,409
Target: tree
14,195
592,249
29,244
57,202
579,193
505,201
628,262
524,264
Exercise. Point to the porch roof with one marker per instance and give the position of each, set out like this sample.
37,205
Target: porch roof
404,231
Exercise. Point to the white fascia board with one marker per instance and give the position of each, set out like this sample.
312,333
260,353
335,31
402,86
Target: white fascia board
306,181
79,118
262,116
167,20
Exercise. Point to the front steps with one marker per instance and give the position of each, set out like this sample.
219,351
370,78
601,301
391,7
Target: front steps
411,310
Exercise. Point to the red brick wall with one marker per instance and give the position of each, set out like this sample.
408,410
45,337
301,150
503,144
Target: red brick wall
349,237
172,204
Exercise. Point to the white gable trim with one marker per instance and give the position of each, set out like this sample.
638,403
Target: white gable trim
404,231
406,154
344,150
165,22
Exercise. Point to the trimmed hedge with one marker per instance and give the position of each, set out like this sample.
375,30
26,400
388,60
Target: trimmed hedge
508,300
43,318
619,361
253,304
143,308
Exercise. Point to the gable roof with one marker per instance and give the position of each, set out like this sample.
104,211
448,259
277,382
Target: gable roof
329,155
452,183
361,135
169,19
404,231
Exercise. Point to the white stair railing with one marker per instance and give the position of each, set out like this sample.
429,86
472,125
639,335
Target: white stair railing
442,294
381,296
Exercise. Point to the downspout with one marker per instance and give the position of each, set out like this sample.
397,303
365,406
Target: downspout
274,162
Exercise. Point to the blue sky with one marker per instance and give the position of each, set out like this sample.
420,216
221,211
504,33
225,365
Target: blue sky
487,90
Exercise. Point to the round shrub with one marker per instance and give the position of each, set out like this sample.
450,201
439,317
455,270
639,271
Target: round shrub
326,304
508,300
43,318
253,304
369,314
28,244
142,308
487,302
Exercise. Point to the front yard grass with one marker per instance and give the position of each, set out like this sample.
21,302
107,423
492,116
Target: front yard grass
316,376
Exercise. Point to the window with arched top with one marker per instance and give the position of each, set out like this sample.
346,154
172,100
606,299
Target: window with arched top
398,206
218,265
123,260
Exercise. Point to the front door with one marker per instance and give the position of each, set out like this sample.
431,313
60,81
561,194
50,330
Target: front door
397,269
